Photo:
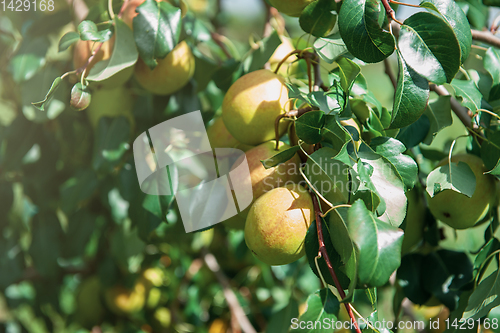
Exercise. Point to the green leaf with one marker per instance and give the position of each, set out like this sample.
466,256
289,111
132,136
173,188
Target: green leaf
157,29
330,48
124,54
413,266
360,29
410,99
429,46
67,40
45,246
415,133
468,93
328,176
454,176
439,114
311,244
280,157
309,125
334,133
386,183
317,18
88,31
77,189
280,320
112,140
323,307
126,247
11,261
53,88
378,245
261,55
491,62
490,153
81,226
392,150
348,71
29,58
457,19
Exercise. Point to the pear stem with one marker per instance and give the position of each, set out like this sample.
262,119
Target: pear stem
322,253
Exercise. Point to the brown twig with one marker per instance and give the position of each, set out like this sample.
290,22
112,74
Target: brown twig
217,39
323,253
89,60
390,12
485,37
390,73
232,301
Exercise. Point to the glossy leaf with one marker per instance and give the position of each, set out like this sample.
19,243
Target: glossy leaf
88,31
280,157
348,71
124,54
415,133
378,245
360,29
485,297
309,125
317,18
29,58
157,29
410,99
457,19
334,133
330,48
468,93
67,40
322,306
491,63
53,88
490,153
454,176
429,46
439,114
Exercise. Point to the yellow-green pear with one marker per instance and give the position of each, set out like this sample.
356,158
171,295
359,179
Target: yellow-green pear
219,136
170,74
251,105
290,7
415,221
458,210
111,103
264,180
290,66
89,309
125,301
277,223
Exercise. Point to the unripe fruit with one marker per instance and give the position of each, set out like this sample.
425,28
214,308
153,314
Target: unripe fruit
80,97
251,105
170,74
111,103
277,223
290,7
124,301
458,210
89,310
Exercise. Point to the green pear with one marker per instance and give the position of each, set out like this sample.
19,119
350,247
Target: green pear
277,223
290,7
415,221
170,74
252,104
111,103
290,66
458,210
89,309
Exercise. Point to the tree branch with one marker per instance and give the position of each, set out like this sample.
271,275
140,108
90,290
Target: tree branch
232,301
485,37
322,253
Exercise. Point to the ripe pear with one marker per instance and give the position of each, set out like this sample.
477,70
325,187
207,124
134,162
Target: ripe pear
82,52
290,66
170,74
277,223
415,221
89,309
219,136
458,210
263,180
251,105
125,301
290,7
111,103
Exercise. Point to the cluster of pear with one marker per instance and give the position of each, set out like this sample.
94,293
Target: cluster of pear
276,222
111,98
93,298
